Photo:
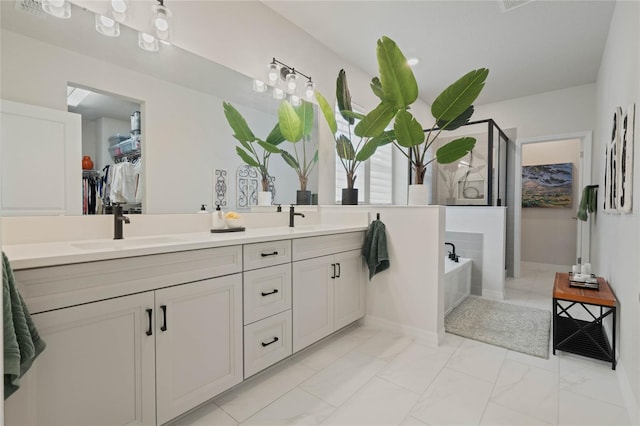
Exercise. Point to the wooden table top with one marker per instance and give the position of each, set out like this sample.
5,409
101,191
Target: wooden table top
562,290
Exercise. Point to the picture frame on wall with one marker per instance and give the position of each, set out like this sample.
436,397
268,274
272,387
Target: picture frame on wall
547,185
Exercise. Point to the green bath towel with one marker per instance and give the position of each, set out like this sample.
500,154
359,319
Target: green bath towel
587,202
22,344
374,249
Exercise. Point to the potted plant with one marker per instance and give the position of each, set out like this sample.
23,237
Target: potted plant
351,156
397,90
249,153
295,126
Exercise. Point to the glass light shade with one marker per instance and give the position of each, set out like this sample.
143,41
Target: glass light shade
413,61
107,26
272,74
259,86
119,9
309,90
161,22
148,42
278,93
291,82
295,100
57,8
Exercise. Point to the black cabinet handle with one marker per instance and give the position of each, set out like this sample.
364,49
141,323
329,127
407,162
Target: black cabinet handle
150,329
275,253
274,291
338,276
333,276
275,339
164,317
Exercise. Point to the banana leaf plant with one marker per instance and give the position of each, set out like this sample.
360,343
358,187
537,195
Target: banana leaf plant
351,156
247,151
397,90
295,126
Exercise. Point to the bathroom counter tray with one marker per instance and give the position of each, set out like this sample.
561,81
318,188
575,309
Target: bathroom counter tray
589,282
239,229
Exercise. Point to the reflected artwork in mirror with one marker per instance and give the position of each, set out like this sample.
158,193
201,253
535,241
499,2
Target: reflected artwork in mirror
186,137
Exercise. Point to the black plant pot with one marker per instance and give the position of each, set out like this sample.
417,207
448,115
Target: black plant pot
349,196
303,198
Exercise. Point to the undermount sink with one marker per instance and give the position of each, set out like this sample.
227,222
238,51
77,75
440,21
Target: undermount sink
125,243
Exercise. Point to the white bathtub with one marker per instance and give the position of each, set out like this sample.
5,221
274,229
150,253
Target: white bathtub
457,282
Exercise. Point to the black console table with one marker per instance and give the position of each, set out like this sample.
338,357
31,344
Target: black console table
578,336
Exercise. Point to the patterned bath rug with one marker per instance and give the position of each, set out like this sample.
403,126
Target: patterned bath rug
518,328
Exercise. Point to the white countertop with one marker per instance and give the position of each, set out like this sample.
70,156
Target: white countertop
25,256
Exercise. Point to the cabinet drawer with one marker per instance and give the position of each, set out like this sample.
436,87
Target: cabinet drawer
306,248
266,342
261,255
266,292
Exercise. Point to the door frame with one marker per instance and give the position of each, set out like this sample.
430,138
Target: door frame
584,178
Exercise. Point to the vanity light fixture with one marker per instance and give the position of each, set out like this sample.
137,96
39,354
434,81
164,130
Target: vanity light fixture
259,86
148,42
413,61
284,80
161,21
107,26
57,8
295,100
119,9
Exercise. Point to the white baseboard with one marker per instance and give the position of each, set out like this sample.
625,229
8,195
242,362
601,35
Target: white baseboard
427,337
493,294
630,400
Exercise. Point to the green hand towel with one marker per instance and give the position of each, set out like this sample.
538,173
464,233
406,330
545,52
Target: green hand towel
374,249
22,344
587,202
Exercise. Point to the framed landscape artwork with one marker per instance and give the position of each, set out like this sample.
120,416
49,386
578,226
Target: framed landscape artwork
547,185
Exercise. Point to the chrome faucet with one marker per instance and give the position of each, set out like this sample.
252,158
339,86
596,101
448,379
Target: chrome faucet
118,219
452,254
292,214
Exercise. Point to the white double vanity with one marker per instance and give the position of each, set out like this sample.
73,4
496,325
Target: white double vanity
143,330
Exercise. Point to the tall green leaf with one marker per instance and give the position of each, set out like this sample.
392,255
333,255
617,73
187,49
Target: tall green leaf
269,147
290,160
384,138
327,111
455,150
289,121
396,77
305,112
459,96
367,150
407,130
457,122
246,157
375,121
353,114
376,87
241,129
275,137
315,157
343,96
344,148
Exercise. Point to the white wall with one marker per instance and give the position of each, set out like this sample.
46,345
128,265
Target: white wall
615,240
549,234
89,140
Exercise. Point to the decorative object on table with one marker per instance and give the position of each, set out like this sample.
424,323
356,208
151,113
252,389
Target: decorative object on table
547,185
248,152
295,126
398,90
374,248
588,202
87,163
247,189
234,220
517,328
22,343
220,187
618,175
351,156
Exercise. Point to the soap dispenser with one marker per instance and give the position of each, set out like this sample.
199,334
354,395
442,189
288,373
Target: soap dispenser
203,209
219,222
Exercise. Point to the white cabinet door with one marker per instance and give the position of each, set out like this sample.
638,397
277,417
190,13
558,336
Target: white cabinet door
313,292
349,288
198,343
41,153
98,367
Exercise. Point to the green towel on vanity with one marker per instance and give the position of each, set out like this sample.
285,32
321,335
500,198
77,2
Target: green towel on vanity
374,249
22,344
587,202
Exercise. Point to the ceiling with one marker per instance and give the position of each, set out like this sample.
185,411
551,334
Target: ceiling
538,47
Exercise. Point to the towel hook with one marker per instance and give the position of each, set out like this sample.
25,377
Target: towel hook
377,216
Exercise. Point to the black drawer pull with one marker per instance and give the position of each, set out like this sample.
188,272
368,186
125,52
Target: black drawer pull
275,253
275,339
274,291
333,276
164,317
150,329
339,270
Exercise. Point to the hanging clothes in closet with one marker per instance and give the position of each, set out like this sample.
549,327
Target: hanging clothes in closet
90,192
123,182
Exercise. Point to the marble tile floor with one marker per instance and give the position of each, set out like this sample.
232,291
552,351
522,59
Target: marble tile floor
368,376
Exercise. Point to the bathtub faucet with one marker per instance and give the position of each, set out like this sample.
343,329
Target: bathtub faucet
452,254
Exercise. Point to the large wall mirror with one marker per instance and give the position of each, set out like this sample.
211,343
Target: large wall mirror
188,155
